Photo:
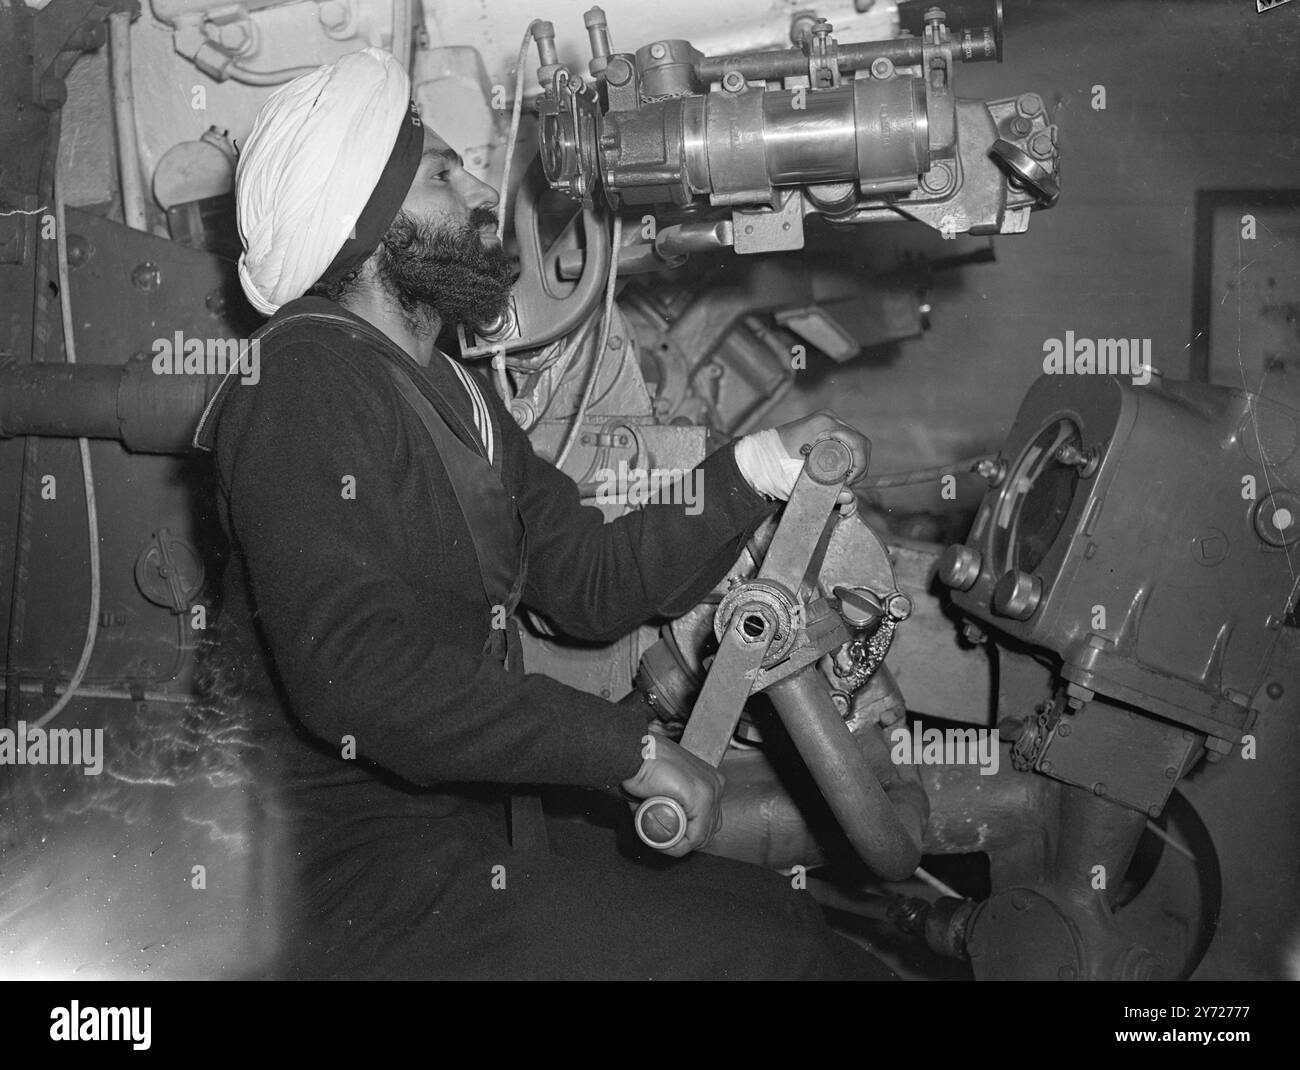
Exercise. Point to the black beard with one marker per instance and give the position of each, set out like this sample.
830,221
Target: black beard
447,273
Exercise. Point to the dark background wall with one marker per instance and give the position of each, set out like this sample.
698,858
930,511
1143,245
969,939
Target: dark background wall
1199,94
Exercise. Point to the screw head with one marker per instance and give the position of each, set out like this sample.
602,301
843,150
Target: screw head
658,50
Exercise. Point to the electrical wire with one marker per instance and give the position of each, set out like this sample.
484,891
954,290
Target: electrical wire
602,345
516,115
92,513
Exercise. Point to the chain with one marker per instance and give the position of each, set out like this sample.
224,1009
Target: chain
865,653
1028,747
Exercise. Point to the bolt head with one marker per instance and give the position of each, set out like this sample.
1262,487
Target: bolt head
333,14
992,469
235,35
146,277
78,250
1029,104
1041,145
899,606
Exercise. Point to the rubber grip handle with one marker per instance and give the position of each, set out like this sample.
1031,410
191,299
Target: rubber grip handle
660,822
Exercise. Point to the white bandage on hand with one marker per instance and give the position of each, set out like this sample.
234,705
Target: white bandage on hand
767,467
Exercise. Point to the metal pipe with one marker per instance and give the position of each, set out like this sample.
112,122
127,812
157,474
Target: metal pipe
128,146
1094,831
146,412
887,838
681,239
402,33
598,34
871,131
792,62
817,143
121,694
763,825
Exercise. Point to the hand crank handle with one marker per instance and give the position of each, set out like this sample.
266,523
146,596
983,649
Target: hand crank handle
660,822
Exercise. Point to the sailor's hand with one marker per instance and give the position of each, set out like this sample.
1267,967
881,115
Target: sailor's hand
804,431
671,770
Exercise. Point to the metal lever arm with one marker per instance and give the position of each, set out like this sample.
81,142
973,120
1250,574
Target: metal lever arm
751,627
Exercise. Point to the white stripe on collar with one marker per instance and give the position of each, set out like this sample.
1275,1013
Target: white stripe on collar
482,417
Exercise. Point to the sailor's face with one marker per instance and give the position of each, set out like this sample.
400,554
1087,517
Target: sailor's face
442,251
448,197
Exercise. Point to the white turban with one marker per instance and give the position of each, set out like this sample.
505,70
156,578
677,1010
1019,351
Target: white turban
308,167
